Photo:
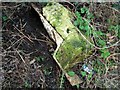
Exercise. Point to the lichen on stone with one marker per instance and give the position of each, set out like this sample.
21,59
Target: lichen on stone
73,48
59,17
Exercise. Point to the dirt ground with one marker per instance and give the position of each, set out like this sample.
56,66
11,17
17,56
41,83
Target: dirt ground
27,61
27,50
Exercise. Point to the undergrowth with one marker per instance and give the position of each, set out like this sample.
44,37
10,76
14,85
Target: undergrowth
99,70
102,42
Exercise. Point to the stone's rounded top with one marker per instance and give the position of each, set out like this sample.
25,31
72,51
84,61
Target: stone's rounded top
55,13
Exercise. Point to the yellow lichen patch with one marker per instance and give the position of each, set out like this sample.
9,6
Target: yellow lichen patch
59,17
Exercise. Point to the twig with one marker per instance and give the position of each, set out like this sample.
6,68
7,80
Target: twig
10,51
94,44
73,9
111,8
14,43
116,44
20,56
112,55
10,6
22,25
19,44
23,34
12,38
97,24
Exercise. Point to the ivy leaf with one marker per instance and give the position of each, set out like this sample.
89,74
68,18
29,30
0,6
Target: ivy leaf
76,23
88,32
71,73
105,54
119,33
101,42
4,18
39,59
87,27
90,16
77,14
78,86
113,27
81,27
99,62
82,10
97,33
95,69
89,76
83,73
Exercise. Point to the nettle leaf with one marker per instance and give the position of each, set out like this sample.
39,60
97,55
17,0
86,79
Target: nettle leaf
99,63
83,73
76,3
86,24
71,73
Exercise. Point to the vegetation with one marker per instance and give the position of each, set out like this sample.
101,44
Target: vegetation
84,21
27,49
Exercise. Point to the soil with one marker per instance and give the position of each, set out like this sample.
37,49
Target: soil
44,73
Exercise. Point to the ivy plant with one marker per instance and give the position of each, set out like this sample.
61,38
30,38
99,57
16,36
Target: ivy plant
83,25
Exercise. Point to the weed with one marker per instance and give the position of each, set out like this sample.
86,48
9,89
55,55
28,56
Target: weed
4,18
39,59
83,73
62,80
78,86
98,67
89,76
47,71
71,73
27,85
83,21
83,25
104,53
